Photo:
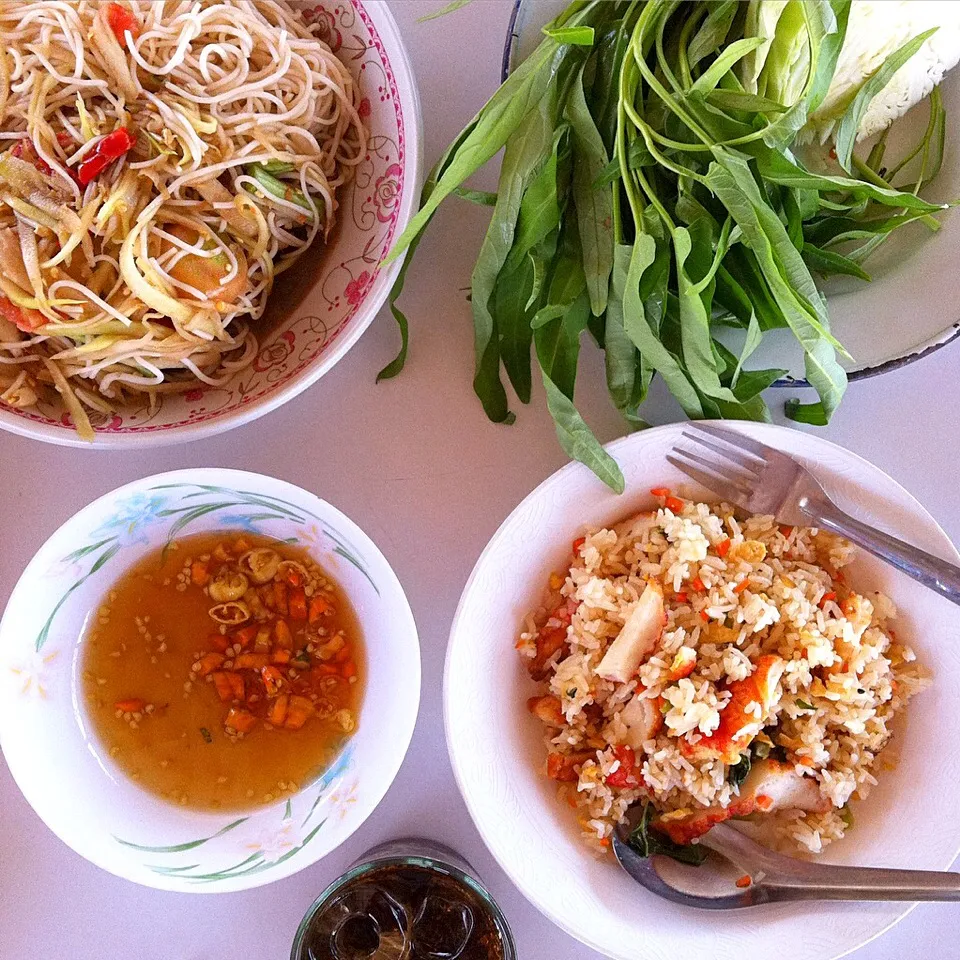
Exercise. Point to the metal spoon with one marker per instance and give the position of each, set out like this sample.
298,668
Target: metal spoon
775,877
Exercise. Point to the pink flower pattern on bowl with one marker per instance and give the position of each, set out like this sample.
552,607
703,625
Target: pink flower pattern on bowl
275,353
369,215
386,194
356,289
327,23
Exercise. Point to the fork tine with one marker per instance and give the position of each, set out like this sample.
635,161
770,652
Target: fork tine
745,461
711,481
739,440
724,470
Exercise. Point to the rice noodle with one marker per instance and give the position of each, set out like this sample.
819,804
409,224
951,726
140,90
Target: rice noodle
146,280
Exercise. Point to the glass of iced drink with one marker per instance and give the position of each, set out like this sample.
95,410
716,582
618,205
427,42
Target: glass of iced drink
409,899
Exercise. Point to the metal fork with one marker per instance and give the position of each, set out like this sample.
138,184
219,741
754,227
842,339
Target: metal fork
762,480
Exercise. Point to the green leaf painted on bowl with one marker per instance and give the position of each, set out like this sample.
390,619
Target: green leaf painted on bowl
255,863
270,503
83,551
260,858
44,635
340,551
345,550
181,847
245,496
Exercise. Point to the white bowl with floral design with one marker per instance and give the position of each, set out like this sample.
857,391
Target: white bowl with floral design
84,798
325,307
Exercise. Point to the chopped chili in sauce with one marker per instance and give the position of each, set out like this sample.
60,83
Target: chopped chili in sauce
225,672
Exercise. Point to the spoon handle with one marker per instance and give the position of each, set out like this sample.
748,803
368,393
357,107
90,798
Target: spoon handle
777,877
863,883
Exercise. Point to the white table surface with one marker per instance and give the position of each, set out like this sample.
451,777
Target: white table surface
417,465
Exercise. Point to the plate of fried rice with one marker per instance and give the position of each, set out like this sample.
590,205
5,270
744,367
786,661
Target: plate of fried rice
663,658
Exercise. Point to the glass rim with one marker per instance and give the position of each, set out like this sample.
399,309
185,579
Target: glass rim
406,860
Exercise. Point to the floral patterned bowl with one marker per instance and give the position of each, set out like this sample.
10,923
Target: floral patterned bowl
321,309
83,798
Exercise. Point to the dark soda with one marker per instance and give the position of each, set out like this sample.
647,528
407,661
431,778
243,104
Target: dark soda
405,908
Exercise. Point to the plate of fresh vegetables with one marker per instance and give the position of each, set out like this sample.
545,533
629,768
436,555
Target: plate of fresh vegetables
728,195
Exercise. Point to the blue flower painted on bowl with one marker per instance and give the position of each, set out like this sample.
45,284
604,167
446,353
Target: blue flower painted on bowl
239,521
134,515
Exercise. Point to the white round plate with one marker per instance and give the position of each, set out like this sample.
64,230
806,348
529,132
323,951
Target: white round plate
497,748
910,308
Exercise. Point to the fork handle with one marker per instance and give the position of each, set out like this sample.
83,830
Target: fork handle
929,570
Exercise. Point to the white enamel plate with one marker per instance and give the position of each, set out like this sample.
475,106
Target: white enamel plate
910,308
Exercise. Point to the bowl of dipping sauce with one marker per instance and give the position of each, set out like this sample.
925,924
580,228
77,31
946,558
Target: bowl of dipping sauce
208,680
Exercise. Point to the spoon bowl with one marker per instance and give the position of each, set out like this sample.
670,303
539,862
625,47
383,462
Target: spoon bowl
774,877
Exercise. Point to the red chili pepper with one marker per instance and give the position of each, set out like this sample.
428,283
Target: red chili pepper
578,543
624,775
674,504
121,20
681,597
723,547
660,491
109,148
697,585
826,598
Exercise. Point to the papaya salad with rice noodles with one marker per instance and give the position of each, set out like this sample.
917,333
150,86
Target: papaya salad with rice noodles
161,163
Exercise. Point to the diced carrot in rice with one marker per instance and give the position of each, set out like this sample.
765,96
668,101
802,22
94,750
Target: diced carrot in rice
548,709
564,767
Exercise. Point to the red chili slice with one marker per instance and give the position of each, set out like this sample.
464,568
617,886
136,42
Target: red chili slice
109,148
